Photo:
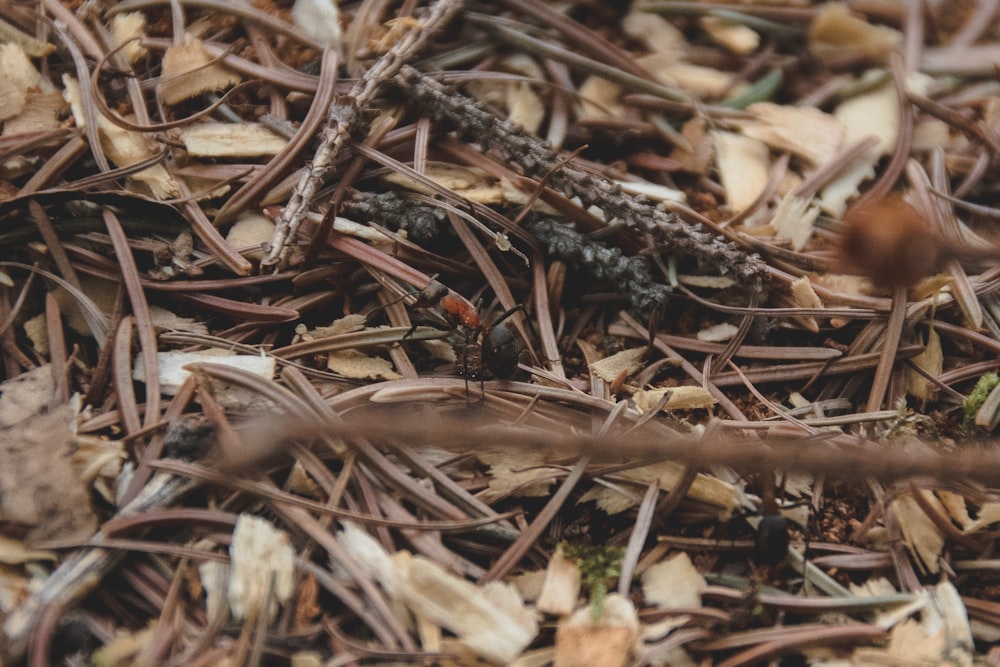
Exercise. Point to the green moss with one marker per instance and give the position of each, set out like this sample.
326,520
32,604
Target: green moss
972,403
597,564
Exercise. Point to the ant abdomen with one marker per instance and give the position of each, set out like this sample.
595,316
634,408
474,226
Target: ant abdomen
771,544
501,351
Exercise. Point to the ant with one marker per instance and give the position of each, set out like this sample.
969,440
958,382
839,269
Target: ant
499,350
772,540
494,347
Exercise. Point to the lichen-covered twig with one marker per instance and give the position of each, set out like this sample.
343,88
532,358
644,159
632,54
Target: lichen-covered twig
512,144
631,276
343,122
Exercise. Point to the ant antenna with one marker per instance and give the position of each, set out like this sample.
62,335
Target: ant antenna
427,297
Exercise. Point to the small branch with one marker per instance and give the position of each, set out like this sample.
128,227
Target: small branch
344,121
536,159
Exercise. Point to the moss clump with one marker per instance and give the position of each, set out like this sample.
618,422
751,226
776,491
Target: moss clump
597,564
975,399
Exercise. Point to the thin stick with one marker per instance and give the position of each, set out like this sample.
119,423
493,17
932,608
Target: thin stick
893,329
343,121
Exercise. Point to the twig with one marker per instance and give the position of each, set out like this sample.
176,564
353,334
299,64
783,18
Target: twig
535,158
344,121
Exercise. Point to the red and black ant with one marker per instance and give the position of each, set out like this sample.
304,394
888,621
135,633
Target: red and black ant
772,539
494,348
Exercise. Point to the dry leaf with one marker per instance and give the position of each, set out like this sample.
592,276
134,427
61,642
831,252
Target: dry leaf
231,140
16,552
561,589
718,333
125,649
490,620
41,113
357,365
794,218
523,475
700,81
518,98
98,462
989,514
673,583
714,282
744,166
102,293
261,568
307,659
19,76
173,374
39,490
36,329
805,296
942,637
698,158
652,191
875,113
923,539
626,361
655,33
124,147
26,395
529,584
320,21
736,37
837,36
251,231
187,73
706,488
599,98
164,320
14,588
681,398
470,182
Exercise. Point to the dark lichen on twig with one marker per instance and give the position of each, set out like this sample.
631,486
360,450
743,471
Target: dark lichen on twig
536,159
631,277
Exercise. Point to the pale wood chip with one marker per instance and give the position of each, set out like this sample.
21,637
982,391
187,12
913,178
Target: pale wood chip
230,140
803,131
187,73
744,166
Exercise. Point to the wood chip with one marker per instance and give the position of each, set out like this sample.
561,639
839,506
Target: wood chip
261,570
836,35
129,27
604,642
231,140
628,361
744,166
681,398
187,73
19,76
561,589
803,131
672,583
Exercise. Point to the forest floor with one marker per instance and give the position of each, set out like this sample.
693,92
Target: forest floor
500,332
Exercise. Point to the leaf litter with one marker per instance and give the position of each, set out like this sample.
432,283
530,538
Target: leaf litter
699,262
